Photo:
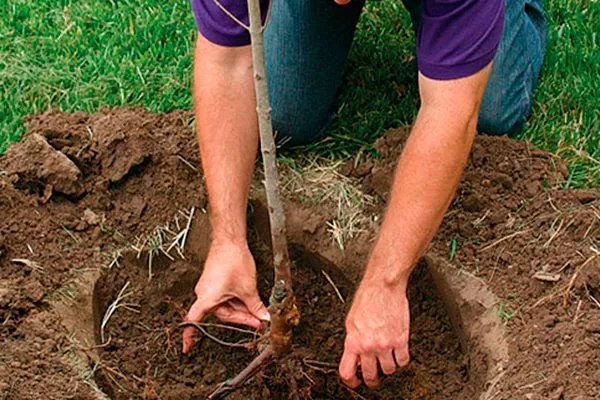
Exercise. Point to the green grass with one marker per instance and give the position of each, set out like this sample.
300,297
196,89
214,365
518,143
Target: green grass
82,56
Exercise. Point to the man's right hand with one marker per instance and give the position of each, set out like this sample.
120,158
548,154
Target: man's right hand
227,288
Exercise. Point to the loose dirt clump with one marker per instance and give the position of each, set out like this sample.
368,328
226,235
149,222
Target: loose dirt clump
103,196
38,167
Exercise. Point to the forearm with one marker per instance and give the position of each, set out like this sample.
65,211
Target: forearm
423,187
227,133
426,177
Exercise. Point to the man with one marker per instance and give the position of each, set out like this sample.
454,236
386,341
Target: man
478,63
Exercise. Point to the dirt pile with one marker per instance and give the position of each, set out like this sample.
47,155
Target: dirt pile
81,188
537,247
74,192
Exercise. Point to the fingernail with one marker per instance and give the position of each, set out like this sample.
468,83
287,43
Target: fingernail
266,316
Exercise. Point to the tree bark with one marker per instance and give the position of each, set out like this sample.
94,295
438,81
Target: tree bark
284,314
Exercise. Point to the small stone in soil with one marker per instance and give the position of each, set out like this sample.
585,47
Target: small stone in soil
586,196
91,218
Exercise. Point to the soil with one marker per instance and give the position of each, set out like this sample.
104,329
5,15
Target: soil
80,188
536,246
147,341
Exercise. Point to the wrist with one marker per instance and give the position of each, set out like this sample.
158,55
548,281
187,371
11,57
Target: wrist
388,267
228,240
228,233
387,276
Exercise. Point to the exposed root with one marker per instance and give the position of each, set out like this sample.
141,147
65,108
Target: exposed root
111,373
261,361
228,327
335,288
320,366
293,387
246,344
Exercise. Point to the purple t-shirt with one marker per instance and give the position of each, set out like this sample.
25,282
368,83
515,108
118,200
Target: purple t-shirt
456,38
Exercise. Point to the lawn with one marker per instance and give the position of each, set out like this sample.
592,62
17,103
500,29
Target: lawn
81,56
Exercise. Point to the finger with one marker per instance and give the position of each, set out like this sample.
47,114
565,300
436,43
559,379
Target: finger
347,368
235,316
342,2
196,314
369,371
402,356
256,307
387,362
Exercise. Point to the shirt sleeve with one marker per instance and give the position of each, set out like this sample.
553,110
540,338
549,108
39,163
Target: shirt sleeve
457,38
218,27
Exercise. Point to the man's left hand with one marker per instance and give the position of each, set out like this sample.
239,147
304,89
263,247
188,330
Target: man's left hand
377,331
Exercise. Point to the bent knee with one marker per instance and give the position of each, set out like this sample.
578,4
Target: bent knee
505,118
494,125
297,127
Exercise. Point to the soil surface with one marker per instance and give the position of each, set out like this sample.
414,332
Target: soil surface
537,247
144,343
80,188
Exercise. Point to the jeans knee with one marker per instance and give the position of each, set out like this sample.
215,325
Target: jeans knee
501,123
295,126
505,111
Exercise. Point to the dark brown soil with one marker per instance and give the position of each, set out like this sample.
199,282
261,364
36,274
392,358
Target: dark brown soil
145,345
80,187
536,246
70,232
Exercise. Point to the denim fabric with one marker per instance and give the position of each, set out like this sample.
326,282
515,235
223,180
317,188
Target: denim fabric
508,96
307,43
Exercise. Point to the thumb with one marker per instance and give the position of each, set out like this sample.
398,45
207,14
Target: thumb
196,314
257,308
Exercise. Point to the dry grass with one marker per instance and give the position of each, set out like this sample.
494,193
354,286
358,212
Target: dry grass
28,263
316,180
119,302
86,373
164,239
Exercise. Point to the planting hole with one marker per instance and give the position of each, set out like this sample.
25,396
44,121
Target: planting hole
141,351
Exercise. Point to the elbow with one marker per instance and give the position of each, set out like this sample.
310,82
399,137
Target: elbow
454,103
234,60
457,118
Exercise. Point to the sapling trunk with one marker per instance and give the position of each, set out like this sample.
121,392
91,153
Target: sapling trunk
282,308
282,304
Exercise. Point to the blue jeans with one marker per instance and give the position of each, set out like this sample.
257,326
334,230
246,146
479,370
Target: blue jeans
307,43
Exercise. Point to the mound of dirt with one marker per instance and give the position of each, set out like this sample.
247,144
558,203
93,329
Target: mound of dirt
81,188
537,247
75,191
